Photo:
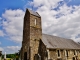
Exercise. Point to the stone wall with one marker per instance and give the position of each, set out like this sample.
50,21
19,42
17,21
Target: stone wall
42,51
53,54
35,35
26,34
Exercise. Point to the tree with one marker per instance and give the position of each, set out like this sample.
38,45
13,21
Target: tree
0,54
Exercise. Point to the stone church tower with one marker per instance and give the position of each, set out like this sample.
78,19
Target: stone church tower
32,34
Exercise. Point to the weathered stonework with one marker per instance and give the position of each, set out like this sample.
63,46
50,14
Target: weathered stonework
38,46
42,51
63,56
31,36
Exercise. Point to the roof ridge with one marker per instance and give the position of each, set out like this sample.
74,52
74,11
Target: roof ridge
55,36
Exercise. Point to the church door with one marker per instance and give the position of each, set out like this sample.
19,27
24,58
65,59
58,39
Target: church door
25,56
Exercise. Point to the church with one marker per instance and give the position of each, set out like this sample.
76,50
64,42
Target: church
39,46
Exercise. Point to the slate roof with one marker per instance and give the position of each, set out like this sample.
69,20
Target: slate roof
54,42
34,13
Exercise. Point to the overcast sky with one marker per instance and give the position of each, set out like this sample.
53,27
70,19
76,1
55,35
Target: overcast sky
59,17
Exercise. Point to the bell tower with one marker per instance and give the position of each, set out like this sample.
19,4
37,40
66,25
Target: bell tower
32,34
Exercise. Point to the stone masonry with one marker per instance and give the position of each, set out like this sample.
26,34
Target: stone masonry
32,34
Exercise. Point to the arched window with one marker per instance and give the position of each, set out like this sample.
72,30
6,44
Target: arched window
58,52
67,53
74,52
35,21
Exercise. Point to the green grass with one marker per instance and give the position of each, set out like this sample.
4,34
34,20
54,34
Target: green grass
8,58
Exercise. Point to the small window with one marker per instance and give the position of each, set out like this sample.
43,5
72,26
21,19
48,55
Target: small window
35,21
74,52
67,53
58,51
